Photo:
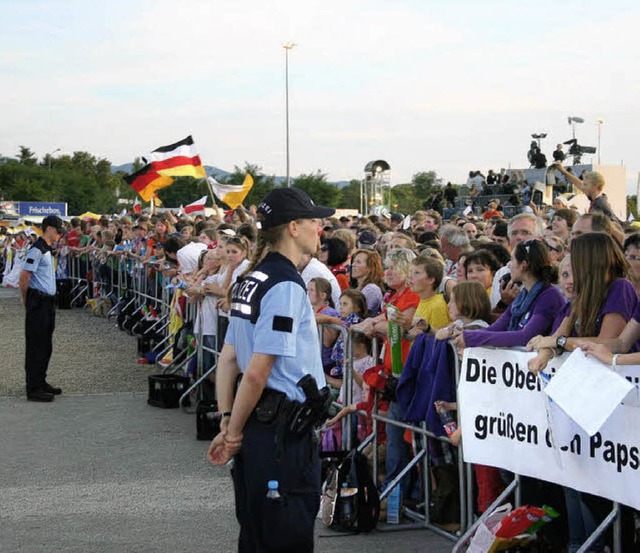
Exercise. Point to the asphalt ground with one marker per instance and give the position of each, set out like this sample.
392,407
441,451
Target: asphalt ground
98,470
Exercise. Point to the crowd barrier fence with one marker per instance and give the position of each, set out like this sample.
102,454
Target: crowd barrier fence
130,284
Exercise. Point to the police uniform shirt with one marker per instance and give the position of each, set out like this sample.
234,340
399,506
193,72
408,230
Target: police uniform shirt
39,262
271,314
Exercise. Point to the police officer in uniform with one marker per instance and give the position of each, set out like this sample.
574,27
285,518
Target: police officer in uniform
272,344
38,291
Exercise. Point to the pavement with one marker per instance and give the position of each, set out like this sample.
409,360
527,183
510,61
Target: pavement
105,472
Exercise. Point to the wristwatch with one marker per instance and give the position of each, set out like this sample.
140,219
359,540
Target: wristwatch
561,341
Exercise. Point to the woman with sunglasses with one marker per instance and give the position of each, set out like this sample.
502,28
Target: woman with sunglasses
334,254
535,307
556,249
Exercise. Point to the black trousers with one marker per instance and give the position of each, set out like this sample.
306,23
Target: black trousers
39,325
287,525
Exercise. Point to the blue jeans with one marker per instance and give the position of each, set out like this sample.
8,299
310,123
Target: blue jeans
580,520
397,449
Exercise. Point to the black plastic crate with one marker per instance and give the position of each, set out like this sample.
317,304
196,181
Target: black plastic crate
165,390
207,420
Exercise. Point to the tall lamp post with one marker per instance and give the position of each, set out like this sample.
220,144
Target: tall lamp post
599,122
287,46
51,154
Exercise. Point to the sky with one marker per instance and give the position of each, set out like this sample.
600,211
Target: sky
449,86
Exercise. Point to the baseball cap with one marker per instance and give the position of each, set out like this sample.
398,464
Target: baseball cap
55,222
366,238
397,217
283,205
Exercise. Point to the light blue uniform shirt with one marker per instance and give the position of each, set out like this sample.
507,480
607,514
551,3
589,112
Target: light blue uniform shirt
39,262
286,328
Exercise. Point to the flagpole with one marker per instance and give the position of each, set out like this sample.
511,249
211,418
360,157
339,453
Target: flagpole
213,196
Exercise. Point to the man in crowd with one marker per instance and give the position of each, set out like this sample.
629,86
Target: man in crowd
522,227
38,291
454,244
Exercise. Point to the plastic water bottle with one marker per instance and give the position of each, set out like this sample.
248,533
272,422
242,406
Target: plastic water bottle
272,490
447,420
393,506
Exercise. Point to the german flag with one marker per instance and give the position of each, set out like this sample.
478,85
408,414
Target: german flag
177,160
147,181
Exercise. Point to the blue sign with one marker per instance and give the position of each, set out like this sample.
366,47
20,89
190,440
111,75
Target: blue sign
42,209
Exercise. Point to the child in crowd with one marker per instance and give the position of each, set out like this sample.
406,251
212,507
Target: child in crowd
425,278
353,308
481,266
319,292
470,309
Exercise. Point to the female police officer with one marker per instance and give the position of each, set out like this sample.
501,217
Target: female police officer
273,342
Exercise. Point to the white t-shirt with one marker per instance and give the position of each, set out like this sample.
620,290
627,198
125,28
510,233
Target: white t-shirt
495,286
359,366
188,257
315,269
208,313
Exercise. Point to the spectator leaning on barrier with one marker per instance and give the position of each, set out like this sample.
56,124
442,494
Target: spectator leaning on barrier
319,292
37,291
604,299
535,307
603,305
396,275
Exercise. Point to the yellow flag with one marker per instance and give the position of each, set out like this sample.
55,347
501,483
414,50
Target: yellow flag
231,194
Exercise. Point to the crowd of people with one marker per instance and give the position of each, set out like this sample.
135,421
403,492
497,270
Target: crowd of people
549,279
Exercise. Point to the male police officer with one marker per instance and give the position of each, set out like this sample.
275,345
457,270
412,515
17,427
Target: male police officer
273,341
38,290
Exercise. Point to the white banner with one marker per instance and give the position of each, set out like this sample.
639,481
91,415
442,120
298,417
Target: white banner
505,416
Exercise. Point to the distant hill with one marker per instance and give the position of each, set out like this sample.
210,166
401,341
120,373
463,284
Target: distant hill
211,171
219,174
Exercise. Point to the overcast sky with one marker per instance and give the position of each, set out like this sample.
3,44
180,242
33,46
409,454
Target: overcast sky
441,85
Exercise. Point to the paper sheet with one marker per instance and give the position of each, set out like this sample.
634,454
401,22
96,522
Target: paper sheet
587,390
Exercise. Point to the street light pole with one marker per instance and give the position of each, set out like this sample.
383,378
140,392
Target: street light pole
599,122
288,46
50,154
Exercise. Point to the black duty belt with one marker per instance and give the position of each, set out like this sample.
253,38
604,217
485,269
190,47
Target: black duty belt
40,294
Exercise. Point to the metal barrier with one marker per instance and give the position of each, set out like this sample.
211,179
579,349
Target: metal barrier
129,281
422,455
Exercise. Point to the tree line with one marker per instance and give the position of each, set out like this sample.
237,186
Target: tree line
87,183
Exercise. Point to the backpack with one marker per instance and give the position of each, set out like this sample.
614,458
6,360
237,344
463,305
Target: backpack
357,507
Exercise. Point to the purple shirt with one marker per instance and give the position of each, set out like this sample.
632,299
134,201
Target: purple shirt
327,362
536,321
373,295
621,298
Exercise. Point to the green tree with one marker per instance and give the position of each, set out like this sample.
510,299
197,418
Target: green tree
403,198
262,184
318,189
26,156
424,182
350,195
632,206
183,191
